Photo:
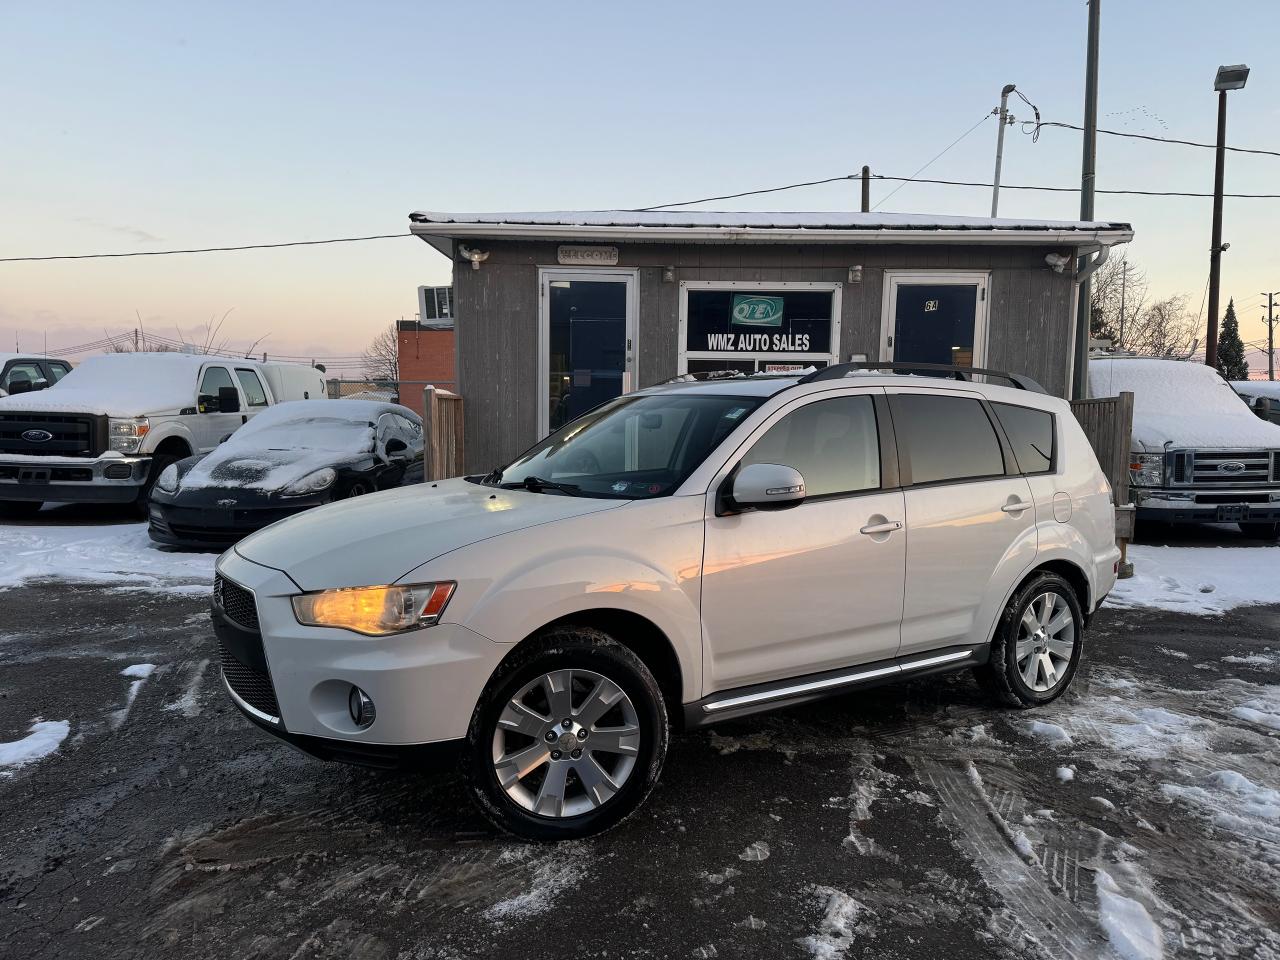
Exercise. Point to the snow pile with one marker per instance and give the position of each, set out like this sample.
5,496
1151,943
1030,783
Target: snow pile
1233,802
1199,580
120,385
120,555
1049,732
1183,404
1128,925
837,928
1264,711
44,738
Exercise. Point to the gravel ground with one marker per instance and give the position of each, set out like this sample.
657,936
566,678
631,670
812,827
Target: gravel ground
908,821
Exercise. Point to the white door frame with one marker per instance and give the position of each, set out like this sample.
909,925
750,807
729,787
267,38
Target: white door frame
684,354
888,315
628,275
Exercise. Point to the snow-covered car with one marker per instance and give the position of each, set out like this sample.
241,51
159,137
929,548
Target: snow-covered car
290,458
1199,454
105,431
681,555
1255,391
24,372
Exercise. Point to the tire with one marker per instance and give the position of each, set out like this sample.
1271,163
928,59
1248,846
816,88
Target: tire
1030,683
358,489
1260,531
142,502
20,509
529,806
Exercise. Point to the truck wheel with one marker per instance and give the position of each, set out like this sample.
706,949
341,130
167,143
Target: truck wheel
20,509
1037,646
142,502
1260,531
568,739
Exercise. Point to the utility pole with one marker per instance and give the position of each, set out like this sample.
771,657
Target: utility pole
1271,333
866,189
1004,114
1228,78
1124,279
1088,165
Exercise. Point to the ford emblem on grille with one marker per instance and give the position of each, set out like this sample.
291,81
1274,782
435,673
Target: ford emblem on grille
37,436
1231,466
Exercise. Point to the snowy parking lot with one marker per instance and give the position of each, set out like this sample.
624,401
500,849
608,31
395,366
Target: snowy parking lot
1138,817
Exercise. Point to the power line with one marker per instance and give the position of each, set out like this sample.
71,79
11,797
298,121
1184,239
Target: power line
1037,125
1135,193
168,253
930,162
747,193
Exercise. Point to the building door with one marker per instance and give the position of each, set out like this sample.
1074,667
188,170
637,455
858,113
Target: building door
586,341
935,318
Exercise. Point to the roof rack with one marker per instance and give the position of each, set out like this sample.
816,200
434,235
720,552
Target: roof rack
838,371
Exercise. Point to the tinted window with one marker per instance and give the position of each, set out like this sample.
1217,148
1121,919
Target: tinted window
252,388
945,438
59,370
833,443
214,379
1031,433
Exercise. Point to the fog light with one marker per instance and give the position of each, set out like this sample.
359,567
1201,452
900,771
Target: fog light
363,712
118,471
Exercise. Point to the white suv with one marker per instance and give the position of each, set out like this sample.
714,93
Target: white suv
686,554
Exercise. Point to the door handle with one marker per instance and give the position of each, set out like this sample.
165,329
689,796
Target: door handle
1016,506
871,529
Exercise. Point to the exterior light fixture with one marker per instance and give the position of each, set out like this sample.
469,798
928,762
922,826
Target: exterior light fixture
1231,78
855,273
476,257
668,274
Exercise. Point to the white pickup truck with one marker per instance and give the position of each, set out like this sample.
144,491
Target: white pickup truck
106,430
1199,453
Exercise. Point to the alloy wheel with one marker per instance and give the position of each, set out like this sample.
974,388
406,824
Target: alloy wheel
1046,642
566,743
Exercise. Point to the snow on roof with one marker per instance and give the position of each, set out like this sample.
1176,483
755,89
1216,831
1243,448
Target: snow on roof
782,225
1257,388
6,357
1181,403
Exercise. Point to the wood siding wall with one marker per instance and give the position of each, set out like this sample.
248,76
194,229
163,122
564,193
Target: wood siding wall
496,312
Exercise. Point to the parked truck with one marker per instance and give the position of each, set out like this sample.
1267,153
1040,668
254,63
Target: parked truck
106,430
24,372
1199,453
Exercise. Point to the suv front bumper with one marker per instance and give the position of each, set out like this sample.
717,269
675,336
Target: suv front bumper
73,479
1198,505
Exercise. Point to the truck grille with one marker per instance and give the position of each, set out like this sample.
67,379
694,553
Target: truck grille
1234,467
52,434
250,685
236,602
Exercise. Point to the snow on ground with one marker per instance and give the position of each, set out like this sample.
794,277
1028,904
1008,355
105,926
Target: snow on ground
1199,580
838,927
44,738
1130,929
120,555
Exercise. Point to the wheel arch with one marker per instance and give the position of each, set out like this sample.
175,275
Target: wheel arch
1069,571
174,445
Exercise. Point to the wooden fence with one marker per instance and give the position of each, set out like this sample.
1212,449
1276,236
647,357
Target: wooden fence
442,429
1108,423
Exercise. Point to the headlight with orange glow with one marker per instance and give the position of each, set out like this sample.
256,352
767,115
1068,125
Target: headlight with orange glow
375,611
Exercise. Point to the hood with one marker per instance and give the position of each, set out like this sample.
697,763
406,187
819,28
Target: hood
1241,430
379,538
263,470
68,399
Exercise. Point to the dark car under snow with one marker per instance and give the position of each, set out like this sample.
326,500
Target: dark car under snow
287,459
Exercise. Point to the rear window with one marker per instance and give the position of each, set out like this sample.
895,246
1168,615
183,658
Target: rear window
945,438
1031,433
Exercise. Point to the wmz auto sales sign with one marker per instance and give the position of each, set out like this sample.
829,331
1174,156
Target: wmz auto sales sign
759,342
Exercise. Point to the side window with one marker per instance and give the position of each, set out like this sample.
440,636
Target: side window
59,370
1032,435
945,438
833,443
214,379
29,372
252,387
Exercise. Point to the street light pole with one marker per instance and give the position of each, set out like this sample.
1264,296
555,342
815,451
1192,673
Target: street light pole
1088,164
1004,114
1228,78
1271,333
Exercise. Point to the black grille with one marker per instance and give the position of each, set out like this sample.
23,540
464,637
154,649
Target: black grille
252,687
236,602
68,435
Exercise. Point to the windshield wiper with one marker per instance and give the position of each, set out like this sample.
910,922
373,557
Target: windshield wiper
537,485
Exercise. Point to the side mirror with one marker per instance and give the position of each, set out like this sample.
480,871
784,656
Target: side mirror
19,386
768,486
1262,407
41,384
228,400
397,450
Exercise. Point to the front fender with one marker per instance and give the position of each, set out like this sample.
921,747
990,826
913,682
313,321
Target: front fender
166,430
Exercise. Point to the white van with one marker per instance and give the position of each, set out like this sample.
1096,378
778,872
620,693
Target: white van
106,430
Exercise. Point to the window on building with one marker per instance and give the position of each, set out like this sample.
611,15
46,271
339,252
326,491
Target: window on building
252,387
833,443
1032,435
945,438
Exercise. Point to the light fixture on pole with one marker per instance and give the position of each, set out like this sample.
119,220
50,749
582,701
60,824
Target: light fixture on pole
1228,78
1004,114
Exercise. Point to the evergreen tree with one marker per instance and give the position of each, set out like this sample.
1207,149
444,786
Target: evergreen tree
1231,362
1100,326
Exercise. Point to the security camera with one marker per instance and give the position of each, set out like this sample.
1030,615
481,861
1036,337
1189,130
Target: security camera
1057,261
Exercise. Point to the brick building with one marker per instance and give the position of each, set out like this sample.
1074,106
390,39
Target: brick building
426,355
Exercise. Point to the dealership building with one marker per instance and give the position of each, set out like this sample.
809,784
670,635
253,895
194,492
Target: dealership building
555,313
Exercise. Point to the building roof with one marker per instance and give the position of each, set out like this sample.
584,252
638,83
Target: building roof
713,226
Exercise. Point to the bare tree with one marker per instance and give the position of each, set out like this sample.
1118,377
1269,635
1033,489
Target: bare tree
382,356
1165,328
1118,295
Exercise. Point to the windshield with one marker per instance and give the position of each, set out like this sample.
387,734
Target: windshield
330,434
632,448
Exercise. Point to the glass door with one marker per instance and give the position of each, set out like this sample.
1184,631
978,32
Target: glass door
935,319
586,341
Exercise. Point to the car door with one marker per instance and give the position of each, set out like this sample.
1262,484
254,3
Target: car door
212,425
817,586
970,517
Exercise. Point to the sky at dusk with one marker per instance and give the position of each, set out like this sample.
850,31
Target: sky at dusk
145,126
